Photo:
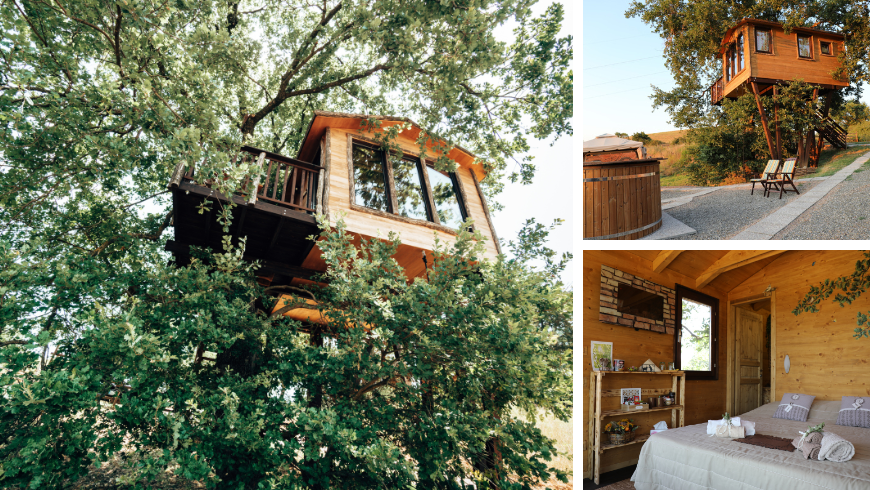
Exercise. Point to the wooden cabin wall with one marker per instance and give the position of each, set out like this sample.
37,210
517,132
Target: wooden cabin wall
371,225
784,64
704,399
826,361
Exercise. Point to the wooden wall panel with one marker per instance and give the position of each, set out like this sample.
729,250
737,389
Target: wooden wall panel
784,64
705,399
372,225
826,361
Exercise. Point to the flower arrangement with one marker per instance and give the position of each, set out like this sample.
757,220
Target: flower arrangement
620,432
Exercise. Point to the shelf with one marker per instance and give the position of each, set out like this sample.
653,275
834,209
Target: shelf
668,373
636,440
611,413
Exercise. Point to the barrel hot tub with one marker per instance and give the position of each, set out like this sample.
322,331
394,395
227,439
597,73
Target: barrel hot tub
622,200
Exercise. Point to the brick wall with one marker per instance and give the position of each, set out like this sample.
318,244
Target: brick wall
610,280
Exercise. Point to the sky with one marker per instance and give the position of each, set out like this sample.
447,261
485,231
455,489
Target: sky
622,58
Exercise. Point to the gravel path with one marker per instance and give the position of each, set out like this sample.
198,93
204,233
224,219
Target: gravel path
724,213
843,214
677,192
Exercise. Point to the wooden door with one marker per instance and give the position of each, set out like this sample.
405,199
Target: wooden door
750,354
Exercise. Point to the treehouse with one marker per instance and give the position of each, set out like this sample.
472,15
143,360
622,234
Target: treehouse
340,169
758,55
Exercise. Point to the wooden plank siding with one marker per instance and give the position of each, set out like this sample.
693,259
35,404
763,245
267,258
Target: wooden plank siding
705,399
826,361
624,202
419,235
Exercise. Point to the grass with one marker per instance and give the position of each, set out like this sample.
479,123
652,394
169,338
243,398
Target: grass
668,136
678,180
833,160
563,434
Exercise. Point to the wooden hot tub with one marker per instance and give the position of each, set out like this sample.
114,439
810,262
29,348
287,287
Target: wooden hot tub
621,200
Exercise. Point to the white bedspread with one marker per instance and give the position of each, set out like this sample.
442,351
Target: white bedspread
688,459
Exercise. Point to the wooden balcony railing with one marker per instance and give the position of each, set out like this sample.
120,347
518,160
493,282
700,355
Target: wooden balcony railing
717,91
285,182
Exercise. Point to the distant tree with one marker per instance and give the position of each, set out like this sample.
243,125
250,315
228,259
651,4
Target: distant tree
622,135
698,340
850,113
641,136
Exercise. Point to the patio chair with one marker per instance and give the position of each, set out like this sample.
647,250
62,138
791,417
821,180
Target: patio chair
784,177
769,173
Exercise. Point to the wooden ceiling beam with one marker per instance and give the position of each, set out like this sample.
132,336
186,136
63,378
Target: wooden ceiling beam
664,259
733,260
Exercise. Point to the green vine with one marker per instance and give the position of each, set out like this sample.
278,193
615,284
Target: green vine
851,286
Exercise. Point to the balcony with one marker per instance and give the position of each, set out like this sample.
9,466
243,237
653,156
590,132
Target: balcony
717,92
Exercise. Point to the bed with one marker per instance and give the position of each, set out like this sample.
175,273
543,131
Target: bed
687,458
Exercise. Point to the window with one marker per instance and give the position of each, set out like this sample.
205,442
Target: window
805,49
740,53
409,185
696,343
369,176
826,48
448,202
401,186
728,66
762,40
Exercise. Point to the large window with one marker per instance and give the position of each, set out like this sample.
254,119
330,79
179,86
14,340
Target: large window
762,40
805,46
740,53
696,343
448,202
405,187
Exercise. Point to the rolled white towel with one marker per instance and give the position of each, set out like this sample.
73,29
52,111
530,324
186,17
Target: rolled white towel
835,448
749,426
735,421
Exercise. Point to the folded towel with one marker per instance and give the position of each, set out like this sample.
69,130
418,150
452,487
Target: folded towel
835,448
712,424
813,438
731,431
749,427
810,451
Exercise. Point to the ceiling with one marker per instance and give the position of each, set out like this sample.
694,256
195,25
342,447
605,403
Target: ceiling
720,269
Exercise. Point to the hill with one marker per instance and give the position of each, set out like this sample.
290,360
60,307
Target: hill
668,136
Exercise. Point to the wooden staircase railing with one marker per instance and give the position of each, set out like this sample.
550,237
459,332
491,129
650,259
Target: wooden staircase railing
830,130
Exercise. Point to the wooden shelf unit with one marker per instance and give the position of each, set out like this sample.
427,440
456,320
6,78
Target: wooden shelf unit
597,417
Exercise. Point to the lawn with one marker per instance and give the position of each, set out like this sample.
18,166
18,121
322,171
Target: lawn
833,160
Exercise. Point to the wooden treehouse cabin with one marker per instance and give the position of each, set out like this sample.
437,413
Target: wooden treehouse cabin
758,56
339,169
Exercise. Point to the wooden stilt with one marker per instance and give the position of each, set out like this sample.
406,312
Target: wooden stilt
763,120
776,122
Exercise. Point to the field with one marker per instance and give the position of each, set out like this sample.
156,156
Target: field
672,153
668,136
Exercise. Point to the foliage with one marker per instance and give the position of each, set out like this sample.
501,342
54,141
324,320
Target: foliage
99,101
851,113
861,131
620,427
697,341
852,287
641,136
412,401
622,135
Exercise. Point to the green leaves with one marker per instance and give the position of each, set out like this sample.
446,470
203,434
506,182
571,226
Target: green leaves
853,286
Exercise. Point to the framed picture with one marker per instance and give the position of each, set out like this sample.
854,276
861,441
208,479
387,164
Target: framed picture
602,356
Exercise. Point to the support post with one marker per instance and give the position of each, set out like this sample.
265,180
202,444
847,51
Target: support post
776,122
763,119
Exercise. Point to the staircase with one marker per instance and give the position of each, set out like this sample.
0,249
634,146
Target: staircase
830,130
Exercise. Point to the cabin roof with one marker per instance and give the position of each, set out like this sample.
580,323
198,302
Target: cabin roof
726,39
326,119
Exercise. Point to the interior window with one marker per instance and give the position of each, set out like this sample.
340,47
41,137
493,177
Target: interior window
804,47
370,188
447,198
762,40
696,341
409,188
826,47
740,53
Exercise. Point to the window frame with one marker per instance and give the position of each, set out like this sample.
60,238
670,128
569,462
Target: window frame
681,292
741,62
390,185
831,48
769,40
811,40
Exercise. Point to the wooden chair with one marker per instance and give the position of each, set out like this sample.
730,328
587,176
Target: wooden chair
784,177
769,173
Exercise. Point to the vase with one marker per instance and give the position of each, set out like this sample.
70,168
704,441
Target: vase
619,438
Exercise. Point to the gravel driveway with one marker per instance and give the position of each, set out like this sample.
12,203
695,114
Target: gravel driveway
843,214
725,212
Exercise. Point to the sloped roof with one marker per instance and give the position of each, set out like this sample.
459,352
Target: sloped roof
609,142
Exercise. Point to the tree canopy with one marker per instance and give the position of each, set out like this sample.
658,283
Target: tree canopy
99,101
